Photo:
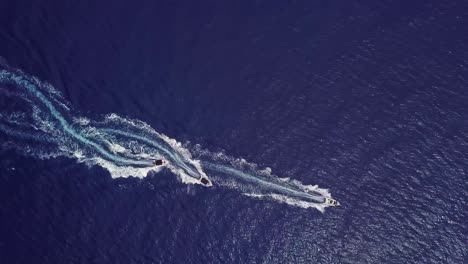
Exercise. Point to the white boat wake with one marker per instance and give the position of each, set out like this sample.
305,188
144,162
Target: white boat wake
36,120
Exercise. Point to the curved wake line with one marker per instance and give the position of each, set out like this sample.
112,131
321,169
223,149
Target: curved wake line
272,186
6,76
175,158
37,121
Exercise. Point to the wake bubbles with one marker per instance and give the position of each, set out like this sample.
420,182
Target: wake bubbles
36,121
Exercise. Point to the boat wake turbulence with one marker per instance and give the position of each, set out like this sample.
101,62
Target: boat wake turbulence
35,120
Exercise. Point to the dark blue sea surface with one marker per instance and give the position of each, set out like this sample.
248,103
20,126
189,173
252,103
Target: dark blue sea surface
368,99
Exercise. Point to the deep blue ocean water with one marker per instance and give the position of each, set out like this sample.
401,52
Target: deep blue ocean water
368,99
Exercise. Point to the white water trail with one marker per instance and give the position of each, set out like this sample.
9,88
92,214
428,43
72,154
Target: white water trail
37,121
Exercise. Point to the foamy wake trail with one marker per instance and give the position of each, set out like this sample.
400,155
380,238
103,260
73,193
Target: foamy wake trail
241,175
35,120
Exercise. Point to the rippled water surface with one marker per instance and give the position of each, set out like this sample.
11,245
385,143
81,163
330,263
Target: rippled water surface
280,105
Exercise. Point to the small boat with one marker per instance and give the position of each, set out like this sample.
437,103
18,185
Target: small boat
206,182
331,202
159,162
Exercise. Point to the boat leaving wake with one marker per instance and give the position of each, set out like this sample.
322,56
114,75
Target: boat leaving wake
37,121
241,175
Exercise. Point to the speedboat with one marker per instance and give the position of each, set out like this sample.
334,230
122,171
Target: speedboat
206,182
159,162
203,180
331,202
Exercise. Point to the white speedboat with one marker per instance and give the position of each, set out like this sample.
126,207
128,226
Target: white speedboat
331,202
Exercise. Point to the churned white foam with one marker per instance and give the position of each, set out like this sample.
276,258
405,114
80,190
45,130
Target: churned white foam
184,177
128,147
116,148
288,200
78,154
117,171
248,178
82,121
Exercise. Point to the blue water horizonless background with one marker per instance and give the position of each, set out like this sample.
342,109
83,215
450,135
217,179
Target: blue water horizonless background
366,98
